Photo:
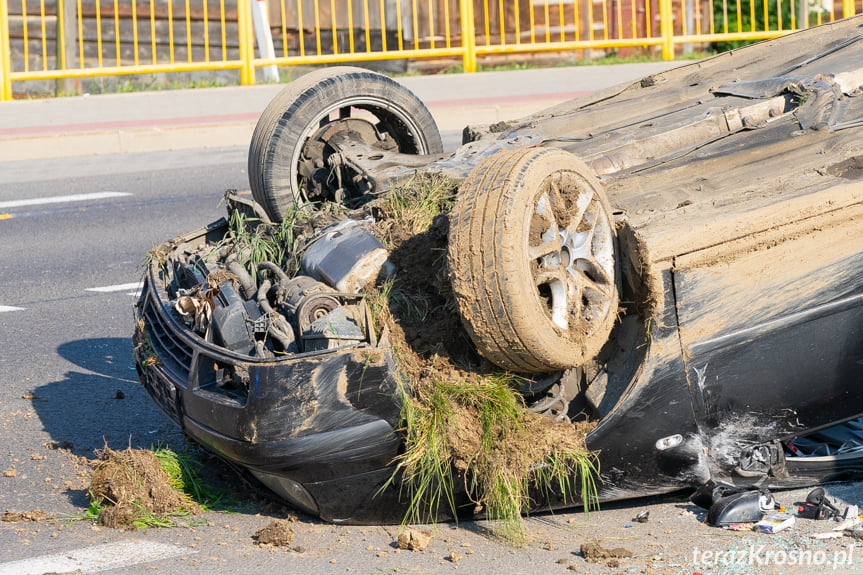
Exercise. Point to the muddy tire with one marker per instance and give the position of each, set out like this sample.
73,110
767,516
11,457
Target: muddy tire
288,145
531,255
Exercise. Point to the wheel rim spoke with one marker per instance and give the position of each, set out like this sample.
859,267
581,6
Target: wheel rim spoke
584,201
549,233
573,263
557,287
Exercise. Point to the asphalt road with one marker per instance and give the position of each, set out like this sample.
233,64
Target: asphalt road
74,233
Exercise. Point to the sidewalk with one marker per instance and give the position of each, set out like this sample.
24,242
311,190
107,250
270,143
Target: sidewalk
218,117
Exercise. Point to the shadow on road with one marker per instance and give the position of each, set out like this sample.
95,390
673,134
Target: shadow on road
101,404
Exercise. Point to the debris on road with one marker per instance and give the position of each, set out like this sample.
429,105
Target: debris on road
741,507
593,552
22,516
278,533
775,522
414,539
817,506
642,517
131,489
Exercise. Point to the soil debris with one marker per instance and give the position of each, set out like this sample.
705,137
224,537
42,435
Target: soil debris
414,539
593,552
22,516
133,490
278,533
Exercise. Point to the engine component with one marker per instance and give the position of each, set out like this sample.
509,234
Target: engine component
304,299
336,329
275,325
232,319
314,308
346,256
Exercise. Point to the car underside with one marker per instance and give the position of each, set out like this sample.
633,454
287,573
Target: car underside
676,261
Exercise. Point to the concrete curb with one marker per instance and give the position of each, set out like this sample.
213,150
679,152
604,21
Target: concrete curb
143,122
142,137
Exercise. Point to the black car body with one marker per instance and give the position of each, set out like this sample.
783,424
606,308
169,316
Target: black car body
735,186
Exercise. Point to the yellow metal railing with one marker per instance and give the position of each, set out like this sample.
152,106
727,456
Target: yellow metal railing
63,39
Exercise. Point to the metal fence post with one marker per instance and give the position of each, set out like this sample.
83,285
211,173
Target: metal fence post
246,39
67,57
468,36
264,38
847,8
666,15
5,59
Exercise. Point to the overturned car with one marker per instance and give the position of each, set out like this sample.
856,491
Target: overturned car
677,261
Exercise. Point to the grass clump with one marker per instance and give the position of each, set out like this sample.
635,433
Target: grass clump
184,476
139,488
415,204
475,435
256,240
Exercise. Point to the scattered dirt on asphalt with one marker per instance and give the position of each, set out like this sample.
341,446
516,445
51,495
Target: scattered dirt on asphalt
278,533
24,516
132,485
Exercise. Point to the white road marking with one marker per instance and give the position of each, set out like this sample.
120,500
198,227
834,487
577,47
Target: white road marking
61,199
119,287
10,308
94,559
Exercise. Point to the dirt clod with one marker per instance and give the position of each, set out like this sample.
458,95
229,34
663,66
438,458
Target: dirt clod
454,556
414,539
278,533
593,552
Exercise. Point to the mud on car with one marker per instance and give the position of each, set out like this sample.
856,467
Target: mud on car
678,261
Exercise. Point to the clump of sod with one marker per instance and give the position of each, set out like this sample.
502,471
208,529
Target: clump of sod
476,431
139,488
466,428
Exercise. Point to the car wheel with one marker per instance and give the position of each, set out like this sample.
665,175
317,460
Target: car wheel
289,152
531,255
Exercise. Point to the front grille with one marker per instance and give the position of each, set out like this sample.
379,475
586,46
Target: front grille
174,354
